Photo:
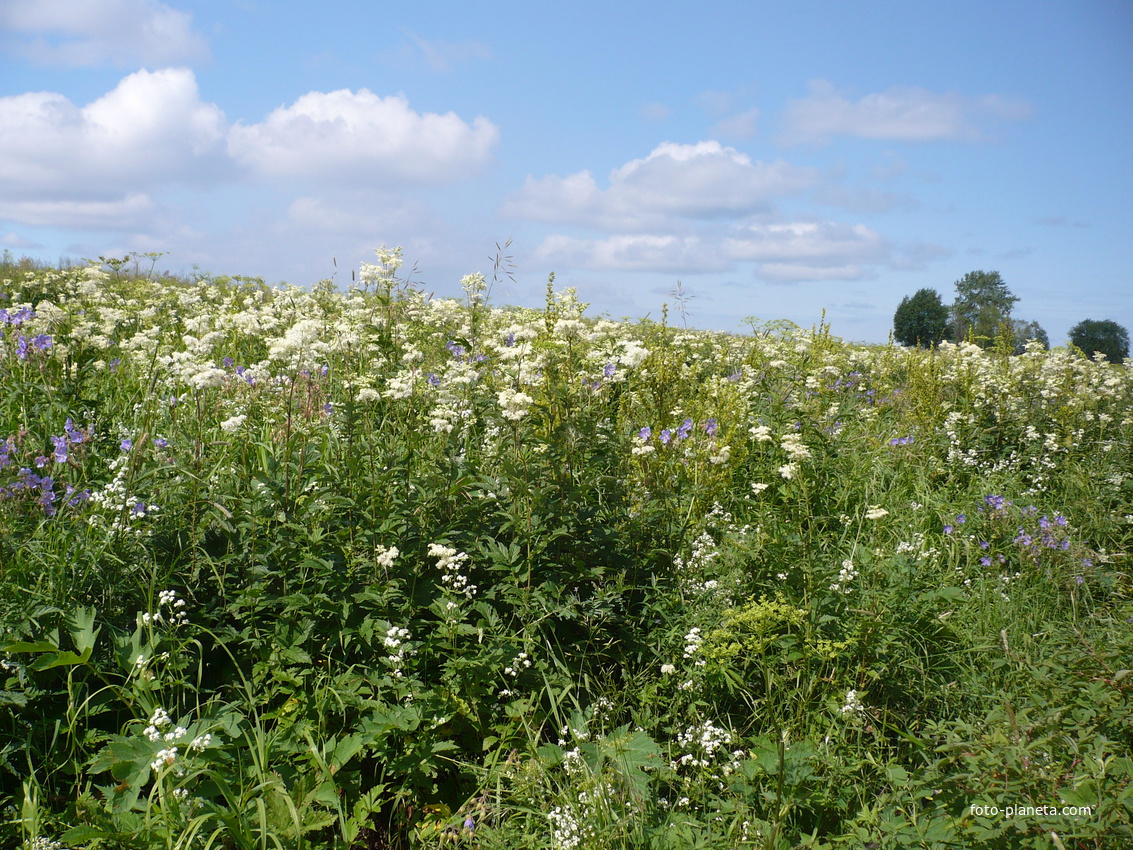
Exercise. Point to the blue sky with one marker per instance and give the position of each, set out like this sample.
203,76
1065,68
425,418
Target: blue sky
776,158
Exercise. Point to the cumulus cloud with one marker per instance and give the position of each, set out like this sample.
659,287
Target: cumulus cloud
360,137
901,113
131,211
797,251
96,33
782,252
630,252
65,165
701,181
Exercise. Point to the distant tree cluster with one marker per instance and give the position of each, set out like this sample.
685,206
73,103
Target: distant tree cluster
1110,338
981,313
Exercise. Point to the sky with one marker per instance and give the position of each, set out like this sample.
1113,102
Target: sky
773,159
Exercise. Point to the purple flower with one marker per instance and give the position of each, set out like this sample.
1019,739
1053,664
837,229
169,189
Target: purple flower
113,364
328,408
666,436
139,509
684,430
609,370
710,427
60,448
947,529
434,381
22,348
126,445
961,519
227,362
984,544
160,442
986,561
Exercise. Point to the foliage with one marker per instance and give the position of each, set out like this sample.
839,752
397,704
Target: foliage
921,320
308,569
983,302
1108,337
1024,332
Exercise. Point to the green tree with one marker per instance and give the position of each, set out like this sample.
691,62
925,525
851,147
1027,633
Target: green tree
921,320
1024,332
1110,338
982,303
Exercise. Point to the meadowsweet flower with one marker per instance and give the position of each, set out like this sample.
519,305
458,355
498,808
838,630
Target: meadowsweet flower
845,576
876,512
853,704
514,404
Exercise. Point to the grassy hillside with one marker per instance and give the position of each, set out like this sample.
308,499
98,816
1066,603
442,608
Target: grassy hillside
302,568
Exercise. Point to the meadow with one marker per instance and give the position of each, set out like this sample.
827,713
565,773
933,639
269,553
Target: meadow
363,568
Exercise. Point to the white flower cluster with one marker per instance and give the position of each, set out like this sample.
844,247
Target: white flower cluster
159,730
397,642
514,404
233,424
114,501
385,557
518,664
449,562
845,577
174,615
853,704
693,640
703,745
566,832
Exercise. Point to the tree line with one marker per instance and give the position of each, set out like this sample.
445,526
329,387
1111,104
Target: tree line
981,313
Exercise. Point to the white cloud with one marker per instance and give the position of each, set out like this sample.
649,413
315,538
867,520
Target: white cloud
132,211
151,128
701,181
636,252
95,33
362,138
784,252
797,251
901,113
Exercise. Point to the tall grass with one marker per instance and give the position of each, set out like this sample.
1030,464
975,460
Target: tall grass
286,568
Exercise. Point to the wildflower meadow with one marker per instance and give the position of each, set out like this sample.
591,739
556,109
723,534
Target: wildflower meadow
355,567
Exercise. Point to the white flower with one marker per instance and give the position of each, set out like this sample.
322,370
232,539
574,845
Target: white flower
853,704
167,756
876,512
788,470
231,426
667,669
760,433
514,404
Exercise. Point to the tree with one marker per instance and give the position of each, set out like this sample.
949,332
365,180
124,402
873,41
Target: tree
1024,332
983,301
921,320
1110,338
